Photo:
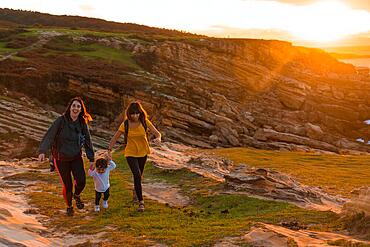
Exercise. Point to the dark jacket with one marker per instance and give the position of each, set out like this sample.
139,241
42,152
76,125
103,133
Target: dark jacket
73,135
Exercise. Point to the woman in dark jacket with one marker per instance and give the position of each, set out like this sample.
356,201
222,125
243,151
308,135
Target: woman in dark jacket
66,137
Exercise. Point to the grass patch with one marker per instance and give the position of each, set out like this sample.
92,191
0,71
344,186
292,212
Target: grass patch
17,58
77,32
210,217
96,51
33,176
64,45
5,50
345,243
336,174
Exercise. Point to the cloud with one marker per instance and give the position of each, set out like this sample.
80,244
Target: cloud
295,2
252,33
355,4
87,7
359,4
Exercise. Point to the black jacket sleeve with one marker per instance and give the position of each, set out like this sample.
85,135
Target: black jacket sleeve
89,148
49,137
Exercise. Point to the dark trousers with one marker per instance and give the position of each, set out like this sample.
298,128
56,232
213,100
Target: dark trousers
98,196
137,165
65,170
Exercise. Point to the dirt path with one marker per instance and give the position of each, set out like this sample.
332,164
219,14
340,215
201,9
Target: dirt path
276,236
165,194
18,226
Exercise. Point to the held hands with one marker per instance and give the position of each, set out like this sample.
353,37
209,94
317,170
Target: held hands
41,157
91,166
108,155
157,141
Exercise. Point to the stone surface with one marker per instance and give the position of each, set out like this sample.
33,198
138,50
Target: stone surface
227,89
244,179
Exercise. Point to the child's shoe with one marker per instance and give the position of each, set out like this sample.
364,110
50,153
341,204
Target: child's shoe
105,204
97,208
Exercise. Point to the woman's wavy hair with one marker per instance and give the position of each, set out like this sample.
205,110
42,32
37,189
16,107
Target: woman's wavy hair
136,107
84,116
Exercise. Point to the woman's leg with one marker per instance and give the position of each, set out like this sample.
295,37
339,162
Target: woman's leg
133,163
79,175
142,161
64,171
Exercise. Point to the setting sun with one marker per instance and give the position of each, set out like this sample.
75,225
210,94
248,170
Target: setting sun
327,21
301,22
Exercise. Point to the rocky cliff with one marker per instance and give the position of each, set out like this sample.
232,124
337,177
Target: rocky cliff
201,91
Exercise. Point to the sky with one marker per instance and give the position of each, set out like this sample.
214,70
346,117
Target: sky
304,22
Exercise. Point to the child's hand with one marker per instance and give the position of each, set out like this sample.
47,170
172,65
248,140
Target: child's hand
108,155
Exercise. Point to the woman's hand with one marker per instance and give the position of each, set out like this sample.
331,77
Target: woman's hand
157,141
41,157
91,166
109,155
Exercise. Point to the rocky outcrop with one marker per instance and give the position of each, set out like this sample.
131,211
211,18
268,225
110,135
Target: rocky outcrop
359,202
268,235
214,92
23,124
244,179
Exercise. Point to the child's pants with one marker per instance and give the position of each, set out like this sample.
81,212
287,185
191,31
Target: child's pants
98,196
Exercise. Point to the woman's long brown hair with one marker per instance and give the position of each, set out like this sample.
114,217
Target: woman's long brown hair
135,107
84,116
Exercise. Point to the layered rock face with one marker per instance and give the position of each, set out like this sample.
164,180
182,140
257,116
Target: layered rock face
23,124
266,94
211,92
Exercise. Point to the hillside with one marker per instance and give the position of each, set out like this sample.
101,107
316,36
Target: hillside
220,103
199,91
32,18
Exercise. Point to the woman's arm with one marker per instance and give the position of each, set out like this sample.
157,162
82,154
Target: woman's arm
49,138
154,130
114,139
89,148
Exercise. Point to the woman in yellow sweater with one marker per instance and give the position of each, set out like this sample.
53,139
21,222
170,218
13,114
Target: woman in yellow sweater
136,151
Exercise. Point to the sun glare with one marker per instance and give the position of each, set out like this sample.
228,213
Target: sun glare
321,22
327,21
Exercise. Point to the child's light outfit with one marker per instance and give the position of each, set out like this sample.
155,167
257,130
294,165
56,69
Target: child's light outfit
101,181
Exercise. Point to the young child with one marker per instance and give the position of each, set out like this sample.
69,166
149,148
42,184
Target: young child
101,180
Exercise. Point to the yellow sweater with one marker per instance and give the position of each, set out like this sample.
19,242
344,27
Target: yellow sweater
137,142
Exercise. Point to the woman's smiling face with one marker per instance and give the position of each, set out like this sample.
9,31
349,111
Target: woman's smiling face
75,109
135,116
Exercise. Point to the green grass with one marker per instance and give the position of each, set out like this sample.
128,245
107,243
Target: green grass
336,174
4,50
74,32
345,243
96,51
17,58
92,51
210,217
78,32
